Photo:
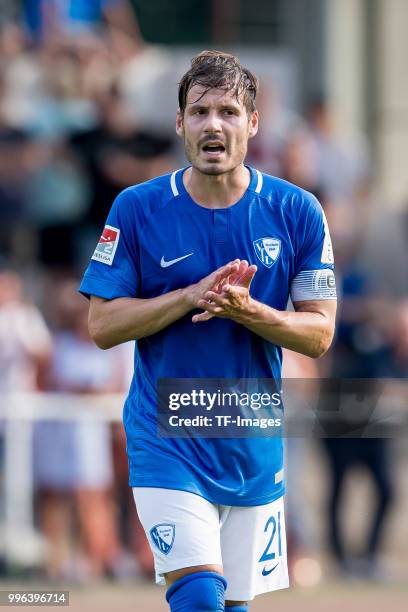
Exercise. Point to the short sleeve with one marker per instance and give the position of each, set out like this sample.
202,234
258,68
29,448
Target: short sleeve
314,277
113,271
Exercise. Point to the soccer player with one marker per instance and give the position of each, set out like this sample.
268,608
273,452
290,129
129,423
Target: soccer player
233,243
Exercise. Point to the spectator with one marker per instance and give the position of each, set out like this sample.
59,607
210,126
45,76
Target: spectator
25,343
371,344
73,461
25,346
116,153
344,165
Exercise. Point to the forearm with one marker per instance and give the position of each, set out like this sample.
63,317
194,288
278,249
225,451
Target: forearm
309,333
115,321
112,322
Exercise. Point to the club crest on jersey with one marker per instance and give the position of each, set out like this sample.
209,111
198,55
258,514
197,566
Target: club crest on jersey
267,250
107,245
163,537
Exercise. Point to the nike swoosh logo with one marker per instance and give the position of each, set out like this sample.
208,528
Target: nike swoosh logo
171,262
266,572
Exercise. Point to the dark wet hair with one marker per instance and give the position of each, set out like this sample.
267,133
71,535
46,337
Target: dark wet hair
219,70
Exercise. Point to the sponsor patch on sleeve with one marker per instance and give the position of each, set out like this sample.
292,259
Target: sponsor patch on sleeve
107,245
327,250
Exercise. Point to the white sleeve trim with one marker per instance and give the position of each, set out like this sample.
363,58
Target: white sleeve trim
314,285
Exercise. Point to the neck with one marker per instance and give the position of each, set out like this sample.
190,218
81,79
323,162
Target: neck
217,191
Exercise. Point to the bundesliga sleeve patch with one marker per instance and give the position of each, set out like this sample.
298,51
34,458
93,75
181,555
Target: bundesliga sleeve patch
107,245
314,285
327,250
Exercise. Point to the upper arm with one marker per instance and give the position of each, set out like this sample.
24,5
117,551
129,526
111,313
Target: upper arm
313,287
313,246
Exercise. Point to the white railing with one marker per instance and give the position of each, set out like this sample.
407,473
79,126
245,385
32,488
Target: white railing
19,541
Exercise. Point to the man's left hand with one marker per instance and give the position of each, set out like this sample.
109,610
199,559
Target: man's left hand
232,302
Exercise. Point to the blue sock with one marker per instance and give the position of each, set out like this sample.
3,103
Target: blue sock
198,592
242,608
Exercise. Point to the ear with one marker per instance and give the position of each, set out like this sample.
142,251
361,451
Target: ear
253,124
179,124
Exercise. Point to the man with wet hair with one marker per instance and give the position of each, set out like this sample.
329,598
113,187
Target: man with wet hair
197,266
215,70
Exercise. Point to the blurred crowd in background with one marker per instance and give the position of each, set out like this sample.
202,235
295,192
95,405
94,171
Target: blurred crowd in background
72,136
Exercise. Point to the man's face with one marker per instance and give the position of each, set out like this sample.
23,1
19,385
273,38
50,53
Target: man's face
215,128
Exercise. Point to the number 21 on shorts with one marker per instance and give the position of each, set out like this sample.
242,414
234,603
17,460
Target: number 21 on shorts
270,558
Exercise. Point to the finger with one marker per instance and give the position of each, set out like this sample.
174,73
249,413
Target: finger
221,274
231,293
243,266
202,316
217,298
224,276
248,276
211,306
217,286
224,281
234,268
234,264
232,289
236,278
217,278
225,271
213,310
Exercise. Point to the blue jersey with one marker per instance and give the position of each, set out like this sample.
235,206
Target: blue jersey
158,239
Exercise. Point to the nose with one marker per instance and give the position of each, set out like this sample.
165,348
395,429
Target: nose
212,124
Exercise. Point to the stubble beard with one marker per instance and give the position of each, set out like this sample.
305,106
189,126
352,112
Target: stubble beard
212,168
207,168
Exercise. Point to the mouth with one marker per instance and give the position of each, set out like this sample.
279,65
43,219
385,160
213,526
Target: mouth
213,149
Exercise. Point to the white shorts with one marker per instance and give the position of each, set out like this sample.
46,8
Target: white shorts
249,542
